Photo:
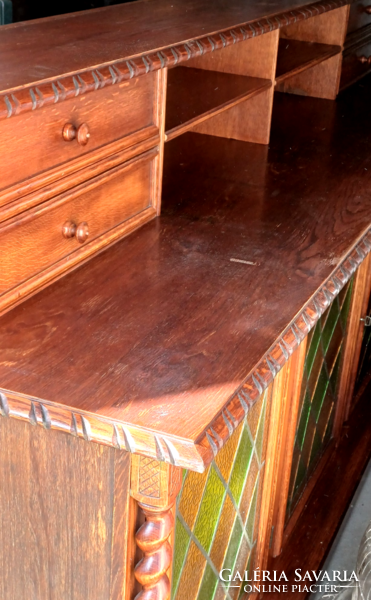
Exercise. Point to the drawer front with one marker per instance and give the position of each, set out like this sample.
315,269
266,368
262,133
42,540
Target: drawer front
356,64
33,142
359,15
34,241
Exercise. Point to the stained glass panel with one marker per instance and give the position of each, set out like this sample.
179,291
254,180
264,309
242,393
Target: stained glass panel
318,394
218,513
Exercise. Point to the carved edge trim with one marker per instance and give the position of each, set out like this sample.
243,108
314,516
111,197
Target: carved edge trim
91,428
33,97
197,455
279,353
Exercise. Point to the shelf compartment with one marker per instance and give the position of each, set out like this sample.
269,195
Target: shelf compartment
296,56
194,95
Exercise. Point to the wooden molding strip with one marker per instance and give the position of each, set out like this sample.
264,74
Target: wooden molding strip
20,100
357,39
196,454
279,353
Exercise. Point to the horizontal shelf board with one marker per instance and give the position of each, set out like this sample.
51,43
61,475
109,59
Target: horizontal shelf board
194,95
295,56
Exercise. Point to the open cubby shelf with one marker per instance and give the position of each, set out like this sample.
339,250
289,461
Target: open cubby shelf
194,95
296,56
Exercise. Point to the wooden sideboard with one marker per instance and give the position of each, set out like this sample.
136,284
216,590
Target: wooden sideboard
172,399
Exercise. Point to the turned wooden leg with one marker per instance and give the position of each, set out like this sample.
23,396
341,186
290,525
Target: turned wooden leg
154,485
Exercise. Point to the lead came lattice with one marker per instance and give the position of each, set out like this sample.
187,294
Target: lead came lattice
318,399
218,513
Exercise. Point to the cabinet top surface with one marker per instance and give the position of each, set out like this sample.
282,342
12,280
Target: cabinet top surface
46,49
160,331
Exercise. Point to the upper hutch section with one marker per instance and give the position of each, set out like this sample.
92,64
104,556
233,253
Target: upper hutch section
90,114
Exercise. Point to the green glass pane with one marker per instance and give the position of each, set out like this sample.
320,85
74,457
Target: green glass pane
233,547
316,450
260,434
208,585
300,477
241,465
250,523
180,550
300,433
312,347
329,326
345,308
320,392
209,510
333,348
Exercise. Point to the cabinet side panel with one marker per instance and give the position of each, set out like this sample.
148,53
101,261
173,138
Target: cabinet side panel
56,507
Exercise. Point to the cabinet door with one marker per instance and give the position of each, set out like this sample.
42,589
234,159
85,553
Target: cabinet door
318,402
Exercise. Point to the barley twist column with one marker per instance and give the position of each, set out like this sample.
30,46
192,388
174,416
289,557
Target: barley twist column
154,485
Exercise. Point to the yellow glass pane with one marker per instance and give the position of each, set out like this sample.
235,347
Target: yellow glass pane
191,578
192,492
325,415
224,459
248,491
221,540
211,505
253,415
315,372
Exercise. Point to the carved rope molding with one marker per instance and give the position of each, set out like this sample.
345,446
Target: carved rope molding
171,449
33,97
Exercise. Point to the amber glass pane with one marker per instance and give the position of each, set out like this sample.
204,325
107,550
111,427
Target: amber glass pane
217,513
318,399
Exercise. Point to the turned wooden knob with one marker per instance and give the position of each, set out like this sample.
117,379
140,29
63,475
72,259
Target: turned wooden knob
81,133
80,232
365,59
367,10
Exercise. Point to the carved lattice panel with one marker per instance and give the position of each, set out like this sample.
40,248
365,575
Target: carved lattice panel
318,397
218,513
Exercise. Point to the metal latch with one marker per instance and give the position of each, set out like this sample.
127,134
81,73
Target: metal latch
366,320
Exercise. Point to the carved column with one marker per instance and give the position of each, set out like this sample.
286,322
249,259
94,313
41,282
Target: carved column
154,485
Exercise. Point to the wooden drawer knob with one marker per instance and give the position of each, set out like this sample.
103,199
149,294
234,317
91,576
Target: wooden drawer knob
367,10
364,59
80,232
81,133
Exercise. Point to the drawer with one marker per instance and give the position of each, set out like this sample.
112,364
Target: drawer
33,142
356,63
59,234
359,15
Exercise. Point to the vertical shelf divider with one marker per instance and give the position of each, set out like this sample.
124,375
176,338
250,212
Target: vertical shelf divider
248,121
321,80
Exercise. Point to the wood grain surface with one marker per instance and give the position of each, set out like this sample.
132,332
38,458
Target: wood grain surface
194,95
33,240
295,56
126,41
57,516
160,332
33,143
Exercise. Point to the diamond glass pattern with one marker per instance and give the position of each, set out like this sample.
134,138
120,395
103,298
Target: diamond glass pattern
218,513
318,394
